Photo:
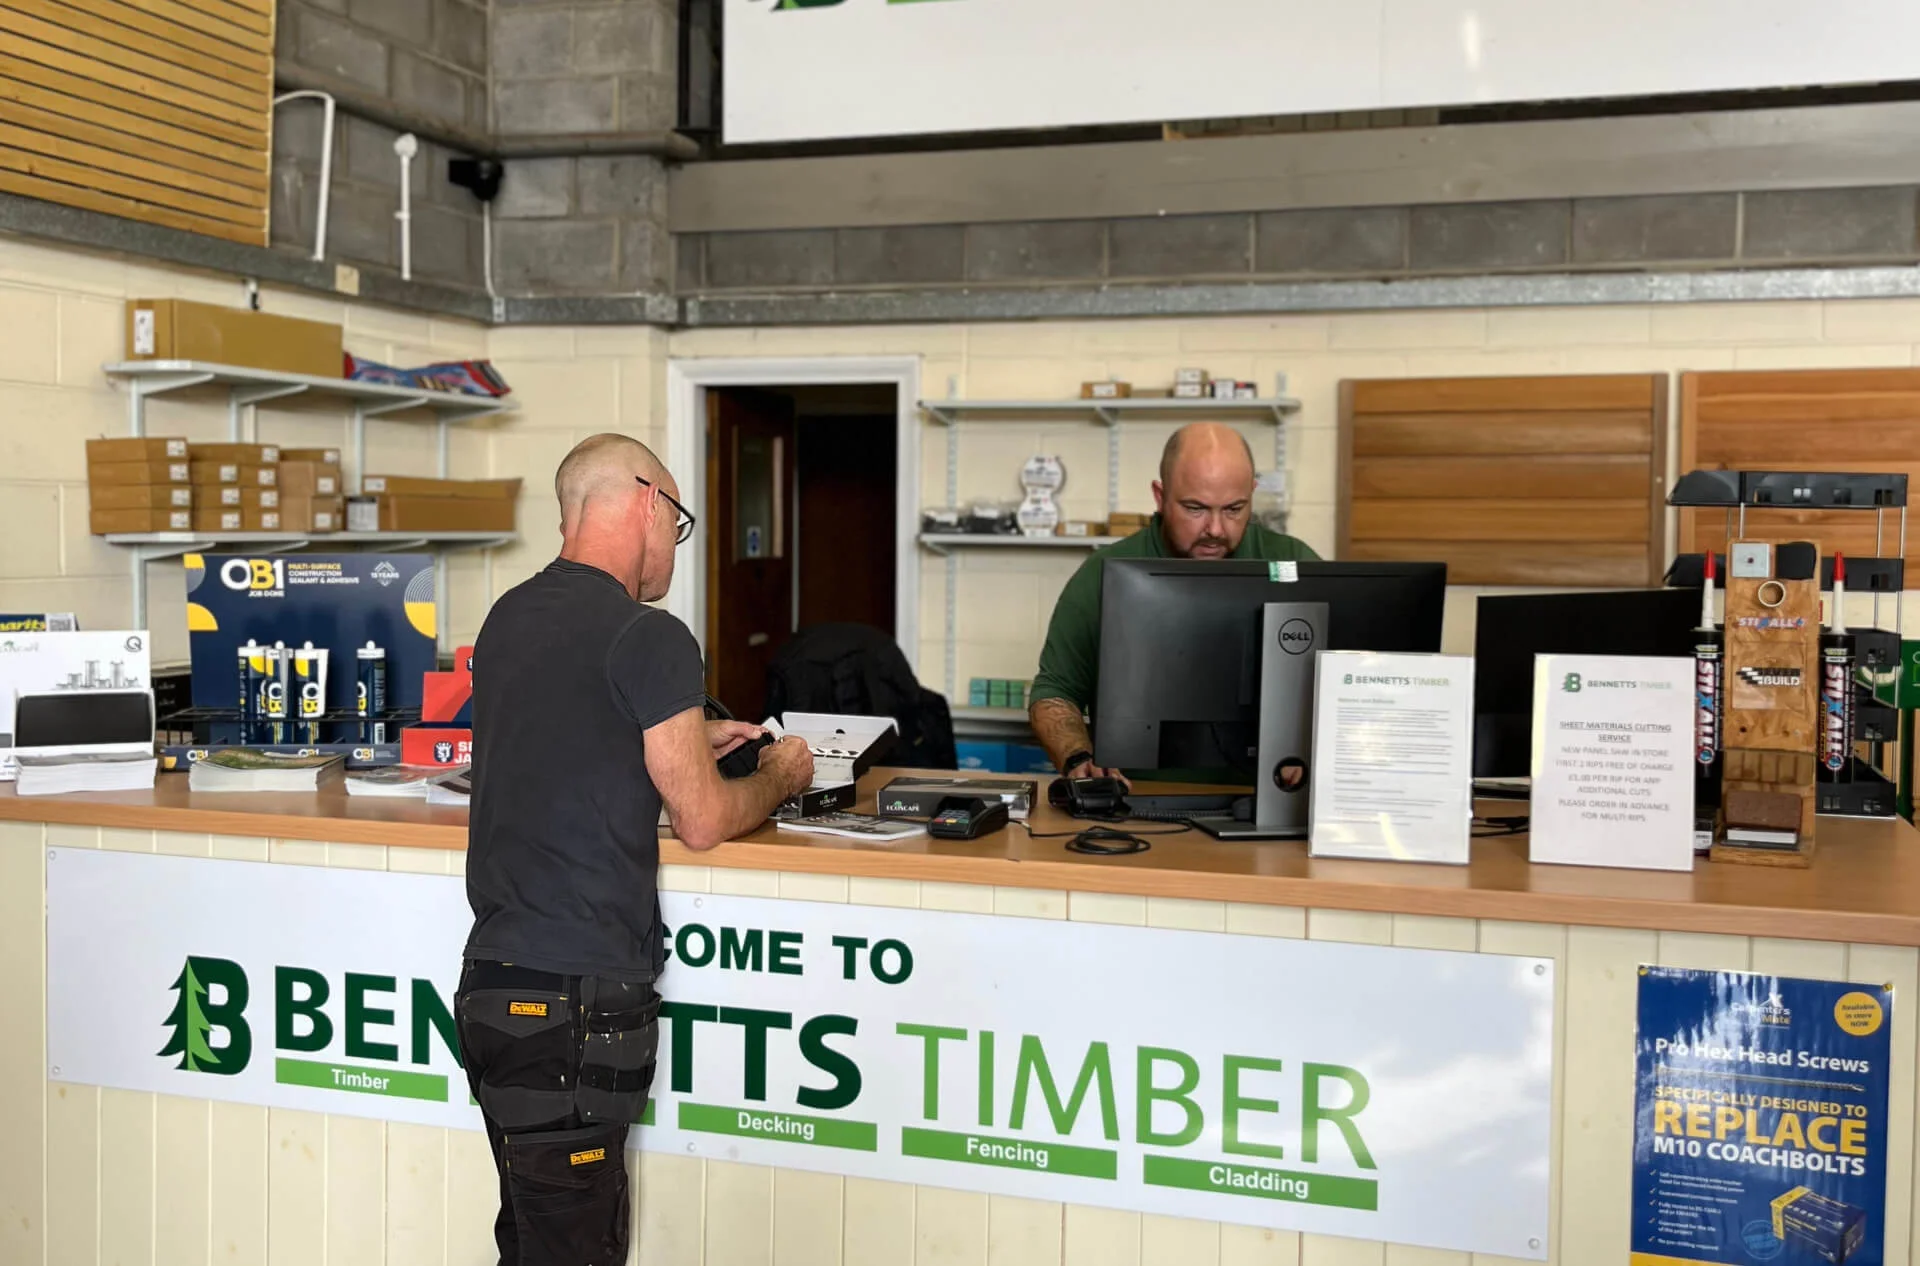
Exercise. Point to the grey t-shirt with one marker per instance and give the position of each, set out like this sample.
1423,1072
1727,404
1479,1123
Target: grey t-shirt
563,844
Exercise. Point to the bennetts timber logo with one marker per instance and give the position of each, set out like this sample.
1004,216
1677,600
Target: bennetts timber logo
1572,684
195,1016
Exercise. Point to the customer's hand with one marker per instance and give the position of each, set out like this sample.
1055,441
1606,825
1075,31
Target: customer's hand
724,736
790,763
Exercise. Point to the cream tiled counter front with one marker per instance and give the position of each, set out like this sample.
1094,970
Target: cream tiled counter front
100,1176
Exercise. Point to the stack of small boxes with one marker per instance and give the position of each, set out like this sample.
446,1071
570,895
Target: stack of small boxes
997,692
169,485
139,485
312,490
236,487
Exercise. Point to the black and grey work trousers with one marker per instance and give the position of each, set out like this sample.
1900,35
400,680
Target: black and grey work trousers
561,1067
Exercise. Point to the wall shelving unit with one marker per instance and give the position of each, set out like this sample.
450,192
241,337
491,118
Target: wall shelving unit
1111,414
244,388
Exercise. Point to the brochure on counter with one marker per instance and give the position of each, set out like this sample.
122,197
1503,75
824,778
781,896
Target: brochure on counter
1393,757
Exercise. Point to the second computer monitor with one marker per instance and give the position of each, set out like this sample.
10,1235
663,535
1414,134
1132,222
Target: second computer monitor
1180,649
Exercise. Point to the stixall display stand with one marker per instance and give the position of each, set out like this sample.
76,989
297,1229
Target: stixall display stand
1291,635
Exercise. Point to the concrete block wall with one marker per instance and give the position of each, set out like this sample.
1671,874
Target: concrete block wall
427,57
588,225
1825,226
1006,596
361,228
585,225
64,314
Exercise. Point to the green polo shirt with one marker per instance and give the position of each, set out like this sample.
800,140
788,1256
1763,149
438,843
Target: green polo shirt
1070,660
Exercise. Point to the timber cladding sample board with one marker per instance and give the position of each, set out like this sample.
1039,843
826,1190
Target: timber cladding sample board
1509,481
154,110
1858,420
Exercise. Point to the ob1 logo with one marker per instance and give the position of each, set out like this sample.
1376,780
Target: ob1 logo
196,1016
254,575
1296,637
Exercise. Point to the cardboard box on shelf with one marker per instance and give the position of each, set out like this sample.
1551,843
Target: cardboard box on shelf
363,514
325,456
224,519
236,497
247,476
417,486
1105,390
103,522
1183,377
156,448
179,329
1189,391
140,497
313,514
311,479
444,514
125,474
244,454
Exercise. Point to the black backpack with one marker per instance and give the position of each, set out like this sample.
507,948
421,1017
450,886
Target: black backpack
857,670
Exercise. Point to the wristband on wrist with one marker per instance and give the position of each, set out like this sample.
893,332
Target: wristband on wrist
1076,759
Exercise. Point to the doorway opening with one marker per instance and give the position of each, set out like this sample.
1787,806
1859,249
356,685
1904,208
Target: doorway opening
802,522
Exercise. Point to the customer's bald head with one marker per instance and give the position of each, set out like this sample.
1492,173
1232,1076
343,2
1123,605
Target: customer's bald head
605,466
1211,445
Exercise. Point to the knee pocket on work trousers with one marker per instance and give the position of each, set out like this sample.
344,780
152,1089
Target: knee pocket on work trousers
519,1050
617,1060
569,1193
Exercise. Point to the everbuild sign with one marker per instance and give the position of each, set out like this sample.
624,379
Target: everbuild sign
1383,1094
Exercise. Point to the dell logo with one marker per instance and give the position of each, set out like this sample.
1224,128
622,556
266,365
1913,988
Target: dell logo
1296,637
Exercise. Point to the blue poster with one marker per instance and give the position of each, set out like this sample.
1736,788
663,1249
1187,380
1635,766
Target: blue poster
1760,1119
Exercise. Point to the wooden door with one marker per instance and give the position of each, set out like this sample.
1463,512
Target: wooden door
750,456
847,526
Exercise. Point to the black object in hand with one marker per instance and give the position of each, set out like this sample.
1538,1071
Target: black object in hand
1089,797
744,760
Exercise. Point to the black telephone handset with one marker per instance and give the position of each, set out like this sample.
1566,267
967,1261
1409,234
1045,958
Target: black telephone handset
744,760
1089,797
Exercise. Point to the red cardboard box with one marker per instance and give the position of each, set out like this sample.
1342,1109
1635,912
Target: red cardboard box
445,733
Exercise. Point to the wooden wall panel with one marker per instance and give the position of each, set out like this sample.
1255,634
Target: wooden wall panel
1864,420
1509,481
156,110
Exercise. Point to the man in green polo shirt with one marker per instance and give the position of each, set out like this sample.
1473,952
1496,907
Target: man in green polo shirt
1204,499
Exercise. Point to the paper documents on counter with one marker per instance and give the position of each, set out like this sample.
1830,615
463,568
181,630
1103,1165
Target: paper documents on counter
250,769
94,771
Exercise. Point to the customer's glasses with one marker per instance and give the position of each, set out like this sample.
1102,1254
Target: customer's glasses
683,525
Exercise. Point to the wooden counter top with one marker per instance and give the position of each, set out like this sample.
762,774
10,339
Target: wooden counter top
1864,885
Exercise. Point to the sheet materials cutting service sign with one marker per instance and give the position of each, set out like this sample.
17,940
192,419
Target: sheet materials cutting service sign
1393,757
1354,1090
1760,1120
1613,769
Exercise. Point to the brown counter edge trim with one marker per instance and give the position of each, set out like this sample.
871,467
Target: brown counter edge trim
1381,898
143,817
1323,894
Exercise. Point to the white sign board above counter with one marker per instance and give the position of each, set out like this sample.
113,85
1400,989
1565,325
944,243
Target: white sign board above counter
799,70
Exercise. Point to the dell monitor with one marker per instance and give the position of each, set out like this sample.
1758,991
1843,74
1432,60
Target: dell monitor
1181,647
1512,630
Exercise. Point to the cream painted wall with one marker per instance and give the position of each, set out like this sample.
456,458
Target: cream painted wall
61,319
94,1177
1005,597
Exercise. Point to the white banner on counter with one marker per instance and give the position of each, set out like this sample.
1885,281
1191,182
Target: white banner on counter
814,69
1363,1091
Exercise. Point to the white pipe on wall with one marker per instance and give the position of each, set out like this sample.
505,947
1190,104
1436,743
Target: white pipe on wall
326,163
406,147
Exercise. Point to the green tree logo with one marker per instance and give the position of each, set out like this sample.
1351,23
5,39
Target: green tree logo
195,1016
